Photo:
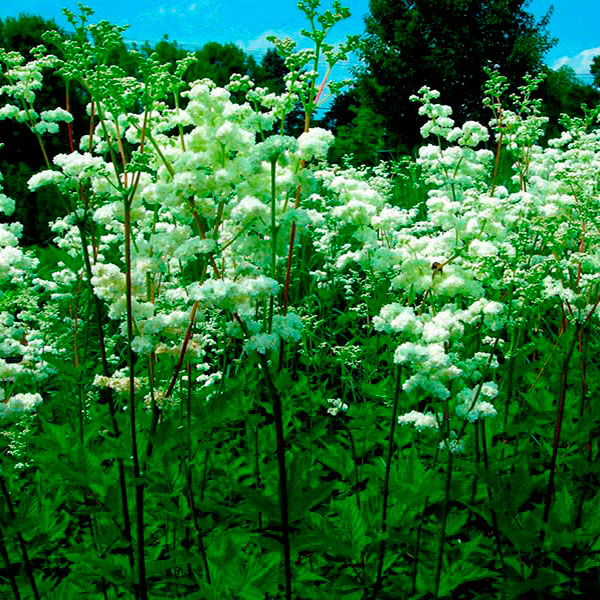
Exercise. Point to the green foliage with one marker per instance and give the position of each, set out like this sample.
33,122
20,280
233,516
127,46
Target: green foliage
595,70
563,93
363,139
205,479
443,45
34,210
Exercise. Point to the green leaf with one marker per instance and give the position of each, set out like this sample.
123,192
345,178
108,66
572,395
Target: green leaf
564,506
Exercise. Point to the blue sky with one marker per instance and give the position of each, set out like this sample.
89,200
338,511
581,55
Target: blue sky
247,22
575,24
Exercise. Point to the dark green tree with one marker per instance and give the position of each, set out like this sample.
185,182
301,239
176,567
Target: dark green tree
342,110
167,51
20,157
444,44
595,70
272,71
359,131
22,33
219,61
564,93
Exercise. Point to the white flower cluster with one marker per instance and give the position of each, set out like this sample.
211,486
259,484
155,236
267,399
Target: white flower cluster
18,404
214,199
22,343
419,420
205,200
25,79
336,407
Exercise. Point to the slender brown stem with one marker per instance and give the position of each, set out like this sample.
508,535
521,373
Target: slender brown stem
186,341
559,421
9,568
106,396
68,108
386,483
283,492
11,513
190,486
139,484
438,571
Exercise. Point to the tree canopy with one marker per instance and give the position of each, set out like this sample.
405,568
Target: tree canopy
20,160
444,44
595,70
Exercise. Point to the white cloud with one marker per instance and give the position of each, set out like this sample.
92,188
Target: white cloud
261,44
580,63
183,16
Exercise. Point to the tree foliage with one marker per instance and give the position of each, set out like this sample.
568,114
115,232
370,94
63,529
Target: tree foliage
21,156
444,44
564,93
595,70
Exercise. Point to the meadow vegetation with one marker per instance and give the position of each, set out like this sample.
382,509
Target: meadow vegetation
242,372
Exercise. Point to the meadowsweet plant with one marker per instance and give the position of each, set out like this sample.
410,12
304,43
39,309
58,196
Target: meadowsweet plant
241,372
22,367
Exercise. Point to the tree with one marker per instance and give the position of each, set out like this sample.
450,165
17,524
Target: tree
342,111
272,71
21,157
595,70
22,33
363,140
219,61
444,44
563,93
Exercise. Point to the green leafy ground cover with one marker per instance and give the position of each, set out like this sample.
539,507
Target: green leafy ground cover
240,372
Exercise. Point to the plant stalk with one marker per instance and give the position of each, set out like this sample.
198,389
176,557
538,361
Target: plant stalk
386,484
11,513
9,568
139,485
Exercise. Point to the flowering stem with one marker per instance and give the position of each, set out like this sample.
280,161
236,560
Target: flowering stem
43,149
273,221
11,513
91,127
288,268
9,568
139,485
583,350
283,492
438,571
156,410
106,395
386,484
186,341
510,375
559,420
498,149
107,137
493,512
273,236
190,486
